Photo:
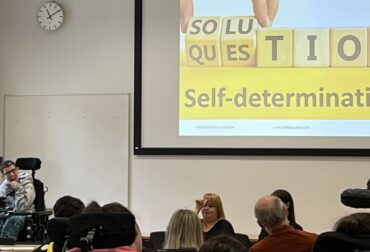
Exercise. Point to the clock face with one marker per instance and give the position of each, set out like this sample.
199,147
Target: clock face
50,16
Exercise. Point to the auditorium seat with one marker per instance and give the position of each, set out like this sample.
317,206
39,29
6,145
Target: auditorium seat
157,239
338,242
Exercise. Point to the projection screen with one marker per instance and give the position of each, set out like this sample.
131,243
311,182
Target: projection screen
242,77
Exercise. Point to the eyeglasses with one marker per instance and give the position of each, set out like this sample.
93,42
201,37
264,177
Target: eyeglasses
10,171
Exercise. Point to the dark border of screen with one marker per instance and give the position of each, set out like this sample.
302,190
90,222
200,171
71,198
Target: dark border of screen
139,149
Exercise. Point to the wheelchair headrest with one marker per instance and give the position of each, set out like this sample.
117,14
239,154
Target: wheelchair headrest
28,163
356,198
335,241
111,229
57,228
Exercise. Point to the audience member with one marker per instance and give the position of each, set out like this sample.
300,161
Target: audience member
287,198
116,207
68,206
223,243
272,215
92,207
17,193
184,231
356,224
214,222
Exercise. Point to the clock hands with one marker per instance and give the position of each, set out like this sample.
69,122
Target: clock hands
50,15
55,12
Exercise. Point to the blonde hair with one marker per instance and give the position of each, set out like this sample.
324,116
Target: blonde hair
214,200
184,231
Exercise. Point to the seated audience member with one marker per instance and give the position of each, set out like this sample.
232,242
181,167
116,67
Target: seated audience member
357,224
287,198
92,207
223,243
115,207
18,194
272,215
184,231
214,222
64,207
68,206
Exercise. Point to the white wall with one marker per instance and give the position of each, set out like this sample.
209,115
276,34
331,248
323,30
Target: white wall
93,53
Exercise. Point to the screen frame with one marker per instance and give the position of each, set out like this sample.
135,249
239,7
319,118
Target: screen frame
138,149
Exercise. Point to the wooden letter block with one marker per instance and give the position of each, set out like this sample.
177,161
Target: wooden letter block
238,41
202,41
348,47
311,47
274,47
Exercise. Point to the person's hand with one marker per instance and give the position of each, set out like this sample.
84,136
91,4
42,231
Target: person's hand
13,184
200,203
265,11
186,12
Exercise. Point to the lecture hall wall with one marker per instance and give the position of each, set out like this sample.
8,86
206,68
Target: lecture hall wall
93,53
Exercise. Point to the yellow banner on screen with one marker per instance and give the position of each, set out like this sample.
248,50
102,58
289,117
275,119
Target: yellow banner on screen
236,93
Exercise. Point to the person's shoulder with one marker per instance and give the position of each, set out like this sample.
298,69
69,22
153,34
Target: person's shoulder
4,183
223,222
225,226
24,175
306,234
25,178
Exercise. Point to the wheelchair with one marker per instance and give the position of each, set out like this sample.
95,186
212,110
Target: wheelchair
92,231
35,222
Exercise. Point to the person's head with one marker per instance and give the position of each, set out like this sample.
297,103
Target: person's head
271,213
116,207
68,206
213,209
184,231
92,207
354,224
223,243
288,201
9,170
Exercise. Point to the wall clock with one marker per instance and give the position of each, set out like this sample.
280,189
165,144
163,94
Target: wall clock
50,16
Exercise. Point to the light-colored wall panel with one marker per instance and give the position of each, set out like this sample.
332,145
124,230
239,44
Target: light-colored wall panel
82,141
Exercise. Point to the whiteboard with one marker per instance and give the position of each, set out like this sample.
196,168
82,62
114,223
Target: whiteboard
82,141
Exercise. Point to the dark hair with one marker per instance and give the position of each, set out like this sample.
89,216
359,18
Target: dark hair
68,206
354,224
287,199
114,207
368,184
223,243
6,164
92,207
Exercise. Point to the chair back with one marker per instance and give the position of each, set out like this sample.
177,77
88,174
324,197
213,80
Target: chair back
244,239
102,230
338,242
157,239
57,230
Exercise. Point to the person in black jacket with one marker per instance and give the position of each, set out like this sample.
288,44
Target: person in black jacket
214,222
287,198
